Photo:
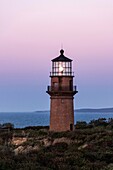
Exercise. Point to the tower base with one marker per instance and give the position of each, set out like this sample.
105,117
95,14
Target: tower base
62,114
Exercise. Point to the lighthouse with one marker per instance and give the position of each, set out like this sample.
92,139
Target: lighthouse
61,93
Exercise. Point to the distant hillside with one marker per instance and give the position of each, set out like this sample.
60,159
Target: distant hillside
86,110
95,110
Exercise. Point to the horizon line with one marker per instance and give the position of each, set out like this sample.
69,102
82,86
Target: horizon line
49,110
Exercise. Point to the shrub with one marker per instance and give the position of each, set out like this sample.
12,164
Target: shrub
81,125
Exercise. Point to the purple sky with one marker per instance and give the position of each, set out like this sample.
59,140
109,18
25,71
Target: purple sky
31,34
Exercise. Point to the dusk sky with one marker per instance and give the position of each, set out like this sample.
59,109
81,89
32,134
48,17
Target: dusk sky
32,33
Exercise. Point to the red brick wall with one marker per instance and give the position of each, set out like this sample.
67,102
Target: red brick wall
62,113
62,109
64,81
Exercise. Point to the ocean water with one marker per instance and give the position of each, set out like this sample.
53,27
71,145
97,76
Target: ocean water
42,118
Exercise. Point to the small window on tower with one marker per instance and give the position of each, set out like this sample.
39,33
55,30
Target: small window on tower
62,101
55,84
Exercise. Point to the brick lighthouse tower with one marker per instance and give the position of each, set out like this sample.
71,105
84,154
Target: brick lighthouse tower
61,94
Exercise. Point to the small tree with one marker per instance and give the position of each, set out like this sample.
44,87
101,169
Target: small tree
80,125
8,126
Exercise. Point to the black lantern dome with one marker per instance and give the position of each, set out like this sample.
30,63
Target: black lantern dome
61,65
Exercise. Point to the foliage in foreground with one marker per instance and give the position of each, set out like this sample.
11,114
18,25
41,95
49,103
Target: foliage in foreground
90,148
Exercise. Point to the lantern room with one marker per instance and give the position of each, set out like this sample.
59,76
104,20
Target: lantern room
61,66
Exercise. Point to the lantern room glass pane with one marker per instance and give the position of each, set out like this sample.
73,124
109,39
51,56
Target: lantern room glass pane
57,69
64,64
56,64
61,68
67,64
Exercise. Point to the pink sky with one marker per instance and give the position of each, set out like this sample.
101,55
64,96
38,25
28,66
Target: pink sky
31,34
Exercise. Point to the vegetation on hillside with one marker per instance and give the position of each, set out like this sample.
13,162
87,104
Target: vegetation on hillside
89,147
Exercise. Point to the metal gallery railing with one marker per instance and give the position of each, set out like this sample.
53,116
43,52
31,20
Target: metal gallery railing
61,88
